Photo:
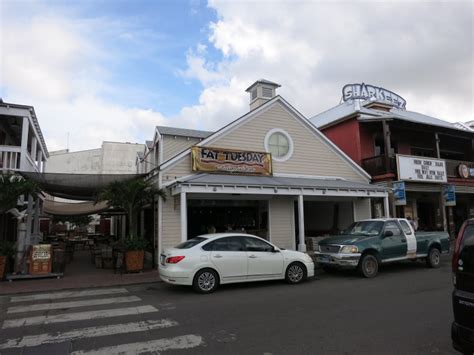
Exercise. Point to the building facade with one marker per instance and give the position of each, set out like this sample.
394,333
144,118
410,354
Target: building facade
428,161
270,173
22,149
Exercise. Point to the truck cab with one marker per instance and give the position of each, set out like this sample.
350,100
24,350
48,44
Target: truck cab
368,243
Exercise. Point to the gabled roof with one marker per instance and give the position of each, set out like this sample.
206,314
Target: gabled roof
350,108
263,81
234,124
149,144
183,132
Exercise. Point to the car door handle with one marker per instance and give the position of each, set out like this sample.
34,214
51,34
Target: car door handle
252,256
218,256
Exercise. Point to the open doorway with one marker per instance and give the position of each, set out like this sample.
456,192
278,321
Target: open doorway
219,216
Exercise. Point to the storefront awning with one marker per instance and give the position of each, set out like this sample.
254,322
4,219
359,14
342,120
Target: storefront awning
84,187
73,209
276,185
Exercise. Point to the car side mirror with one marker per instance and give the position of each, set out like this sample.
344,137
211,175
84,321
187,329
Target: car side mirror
275,250
388,234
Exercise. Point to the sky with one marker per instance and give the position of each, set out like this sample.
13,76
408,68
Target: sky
112,70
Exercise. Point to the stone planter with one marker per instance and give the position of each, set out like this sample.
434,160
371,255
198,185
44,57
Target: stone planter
134,260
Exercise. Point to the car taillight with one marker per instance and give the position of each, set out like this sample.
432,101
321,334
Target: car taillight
174,259
458,247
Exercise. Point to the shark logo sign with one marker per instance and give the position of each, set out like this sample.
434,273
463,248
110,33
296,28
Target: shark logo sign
370,92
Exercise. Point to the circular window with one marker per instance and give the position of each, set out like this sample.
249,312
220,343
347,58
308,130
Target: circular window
279,144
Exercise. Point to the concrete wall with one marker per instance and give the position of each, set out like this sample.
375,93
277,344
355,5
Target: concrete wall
120,158
83,162
112,158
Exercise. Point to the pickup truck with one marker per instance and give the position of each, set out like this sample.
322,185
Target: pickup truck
368,243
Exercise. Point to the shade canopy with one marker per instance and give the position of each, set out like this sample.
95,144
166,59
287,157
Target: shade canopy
56,208
84,187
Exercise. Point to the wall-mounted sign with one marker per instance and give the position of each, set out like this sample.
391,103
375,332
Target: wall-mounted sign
464,171
230,161
366,92
449,195
399,193
411,168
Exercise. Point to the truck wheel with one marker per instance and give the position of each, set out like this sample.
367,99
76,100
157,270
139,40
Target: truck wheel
434,258
368,266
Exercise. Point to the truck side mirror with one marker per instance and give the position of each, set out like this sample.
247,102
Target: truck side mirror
388,234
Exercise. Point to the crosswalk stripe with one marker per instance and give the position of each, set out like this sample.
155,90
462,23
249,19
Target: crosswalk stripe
67,294
91,332
181,342
71,304
70,317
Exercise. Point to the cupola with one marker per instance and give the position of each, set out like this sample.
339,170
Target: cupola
260,92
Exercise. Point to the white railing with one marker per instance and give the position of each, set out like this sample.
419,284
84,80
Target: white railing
9,158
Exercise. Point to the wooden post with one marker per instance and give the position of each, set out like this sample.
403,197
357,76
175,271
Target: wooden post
387,144
438,153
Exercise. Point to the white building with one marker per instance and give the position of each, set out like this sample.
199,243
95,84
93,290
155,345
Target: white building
22,149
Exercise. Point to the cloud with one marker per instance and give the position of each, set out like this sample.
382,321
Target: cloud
63,64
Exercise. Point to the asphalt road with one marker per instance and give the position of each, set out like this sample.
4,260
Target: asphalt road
406,309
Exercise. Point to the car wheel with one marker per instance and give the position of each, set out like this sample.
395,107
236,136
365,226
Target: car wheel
368,266
295,273
205,281
434,258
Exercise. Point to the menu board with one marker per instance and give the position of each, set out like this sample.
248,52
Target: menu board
40,259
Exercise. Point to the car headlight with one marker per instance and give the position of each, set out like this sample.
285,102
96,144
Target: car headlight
348,249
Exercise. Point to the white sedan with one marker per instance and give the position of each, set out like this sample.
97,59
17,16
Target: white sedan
208,260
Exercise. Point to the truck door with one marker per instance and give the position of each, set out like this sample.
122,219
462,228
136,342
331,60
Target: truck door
395,245
410,236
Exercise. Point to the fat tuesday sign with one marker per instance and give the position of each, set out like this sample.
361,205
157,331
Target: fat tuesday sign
231,161
366,92
411,168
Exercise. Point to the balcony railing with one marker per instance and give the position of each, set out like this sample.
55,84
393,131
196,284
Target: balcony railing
9,158
378,165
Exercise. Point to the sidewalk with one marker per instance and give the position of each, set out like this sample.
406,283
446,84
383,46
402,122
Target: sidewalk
81,273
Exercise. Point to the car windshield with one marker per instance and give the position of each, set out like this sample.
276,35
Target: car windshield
190,243
365,228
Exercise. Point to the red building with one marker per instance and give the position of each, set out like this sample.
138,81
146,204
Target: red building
430,156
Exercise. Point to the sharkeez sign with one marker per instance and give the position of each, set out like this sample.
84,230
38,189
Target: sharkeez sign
420,169
230,161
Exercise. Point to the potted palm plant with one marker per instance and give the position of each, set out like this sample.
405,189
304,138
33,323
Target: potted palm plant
131,196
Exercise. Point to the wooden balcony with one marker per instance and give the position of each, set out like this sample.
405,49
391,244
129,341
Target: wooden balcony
378,165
